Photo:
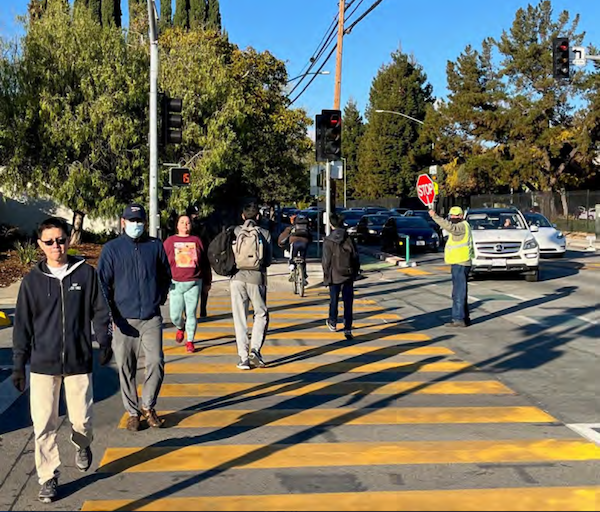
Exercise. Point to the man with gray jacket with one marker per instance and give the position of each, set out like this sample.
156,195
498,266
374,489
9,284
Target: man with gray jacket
252,251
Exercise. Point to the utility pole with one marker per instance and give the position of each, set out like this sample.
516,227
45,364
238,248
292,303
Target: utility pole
337,92
154,224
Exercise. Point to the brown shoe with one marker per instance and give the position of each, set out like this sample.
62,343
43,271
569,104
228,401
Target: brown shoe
151,417
133,423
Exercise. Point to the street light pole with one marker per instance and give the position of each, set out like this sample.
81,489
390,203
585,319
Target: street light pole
154,223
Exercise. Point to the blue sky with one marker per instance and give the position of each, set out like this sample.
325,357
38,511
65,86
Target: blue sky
435,31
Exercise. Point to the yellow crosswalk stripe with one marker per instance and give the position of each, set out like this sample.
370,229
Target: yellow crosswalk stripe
410,271
302,335
341,367
293,313
299,306
334,388
295,300
513,499
320,327
272,350
345,416
204,457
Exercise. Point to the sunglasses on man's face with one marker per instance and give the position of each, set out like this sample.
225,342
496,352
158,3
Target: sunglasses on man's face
59,241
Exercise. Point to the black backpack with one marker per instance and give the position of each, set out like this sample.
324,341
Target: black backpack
300,228
220,253
344,258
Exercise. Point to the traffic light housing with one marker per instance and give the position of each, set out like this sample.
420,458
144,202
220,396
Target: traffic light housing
179,176
331,128
319,138
172,120
560,58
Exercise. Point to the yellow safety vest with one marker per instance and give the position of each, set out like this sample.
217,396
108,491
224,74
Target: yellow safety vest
459,251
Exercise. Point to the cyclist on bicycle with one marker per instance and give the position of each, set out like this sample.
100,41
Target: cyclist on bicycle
297,236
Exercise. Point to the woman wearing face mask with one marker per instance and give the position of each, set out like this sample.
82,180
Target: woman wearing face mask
135,275
189,268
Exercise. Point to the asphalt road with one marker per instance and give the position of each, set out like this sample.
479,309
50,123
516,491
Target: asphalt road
410,415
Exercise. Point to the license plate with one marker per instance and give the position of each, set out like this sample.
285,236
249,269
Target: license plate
501,262
420,242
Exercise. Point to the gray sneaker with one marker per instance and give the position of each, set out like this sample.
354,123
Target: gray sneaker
256,359
83,459
244,364
332,327
48,490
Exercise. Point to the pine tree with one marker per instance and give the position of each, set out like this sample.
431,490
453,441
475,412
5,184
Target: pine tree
214,15
166,13
134,6
181,18
390,145
197,14
111,13
352,131
95,8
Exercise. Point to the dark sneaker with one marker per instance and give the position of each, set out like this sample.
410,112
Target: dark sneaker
189,347
48,491
332,327
180,335
456,323
133,423
151,418
256,359
348,334
83,459
244,364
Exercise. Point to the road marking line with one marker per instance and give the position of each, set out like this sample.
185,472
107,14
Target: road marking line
328,335
588,320
515,296
414,272
590,431
470,500
273,456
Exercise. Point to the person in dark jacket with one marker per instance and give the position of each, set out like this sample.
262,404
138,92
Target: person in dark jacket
57,303
296,237
135,274
389,236
341,265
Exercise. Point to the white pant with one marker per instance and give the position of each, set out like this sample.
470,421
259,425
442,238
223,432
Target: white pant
44,391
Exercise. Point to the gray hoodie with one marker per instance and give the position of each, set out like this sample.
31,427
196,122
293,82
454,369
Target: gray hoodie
331,274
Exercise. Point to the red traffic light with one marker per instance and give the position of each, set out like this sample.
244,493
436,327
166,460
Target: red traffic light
335,121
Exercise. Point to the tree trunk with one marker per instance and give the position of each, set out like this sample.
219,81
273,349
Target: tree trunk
77,228
563,200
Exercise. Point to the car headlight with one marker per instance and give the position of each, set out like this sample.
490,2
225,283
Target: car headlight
434,236
372,232
560,235
530,244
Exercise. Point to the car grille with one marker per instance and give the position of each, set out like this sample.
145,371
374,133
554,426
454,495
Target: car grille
497,248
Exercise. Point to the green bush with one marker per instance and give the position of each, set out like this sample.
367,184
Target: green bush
26,252
72,252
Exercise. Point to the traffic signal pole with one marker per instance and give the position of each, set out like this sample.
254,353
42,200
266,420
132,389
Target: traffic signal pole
154,224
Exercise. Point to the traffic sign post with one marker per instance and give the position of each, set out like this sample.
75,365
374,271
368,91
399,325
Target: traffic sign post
426,190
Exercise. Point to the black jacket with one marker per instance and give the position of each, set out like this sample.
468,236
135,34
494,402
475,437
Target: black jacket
332,275
135,276
53,320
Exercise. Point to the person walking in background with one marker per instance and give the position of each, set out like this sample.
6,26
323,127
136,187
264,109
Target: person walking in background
296,237
190,269
252,252
458,254
341,266
201,229
136,276
58,302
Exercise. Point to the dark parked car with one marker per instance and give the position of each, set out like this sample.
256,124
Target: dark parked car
421,234
424,214
369,227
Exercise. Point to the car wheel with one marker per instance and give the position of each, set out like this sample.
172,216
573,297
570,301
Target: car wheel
532,277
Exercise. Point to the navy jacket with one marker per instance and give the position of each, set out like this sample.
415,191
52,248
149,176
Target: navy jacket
53,320
135,276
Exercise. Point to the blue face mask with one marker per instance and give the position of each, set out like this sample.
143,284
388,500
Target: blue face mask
134,229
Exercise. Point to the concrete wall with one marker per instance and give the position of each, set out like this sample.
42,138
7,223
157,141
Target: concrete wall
26,213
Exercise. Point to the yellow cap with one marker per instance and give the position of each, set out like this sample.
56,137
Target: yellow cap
456,210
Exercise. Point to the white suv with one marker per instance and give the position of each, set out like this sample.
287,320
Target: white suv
503,242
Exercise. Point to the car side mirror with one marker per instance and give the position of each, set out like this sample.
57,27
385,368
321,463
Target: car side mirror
534,228
554,225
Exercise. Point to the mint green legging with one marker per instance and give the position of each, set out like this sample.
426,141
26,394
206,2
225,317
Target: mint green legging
184,296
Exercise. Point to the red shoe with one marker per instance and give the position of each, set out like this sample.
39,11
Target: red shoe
189,347
180,335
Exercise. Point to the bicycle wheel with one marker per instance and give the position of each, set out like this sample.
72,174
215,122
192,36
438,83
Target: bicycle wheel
300,279
295,282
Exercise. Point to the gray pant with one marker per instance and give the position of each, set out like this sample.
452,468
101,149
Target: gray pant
242,294
130,336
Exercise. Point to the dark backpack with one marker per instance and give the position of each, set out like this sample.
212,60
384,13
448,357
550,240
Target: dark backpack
300,228
344,258
220,253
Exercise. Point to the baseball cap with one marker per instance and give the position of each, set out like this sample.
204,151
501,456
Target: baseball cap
456,210
134,211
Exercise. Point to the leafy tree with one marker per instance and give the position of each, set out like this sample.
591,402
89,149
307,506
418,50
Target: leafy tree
181,18
390,148
79,133
214,15
166,14
352,132
197,13
95,8
111,13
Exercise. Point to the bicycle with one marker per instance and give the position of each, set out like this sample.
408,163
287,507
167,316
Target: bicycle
298,276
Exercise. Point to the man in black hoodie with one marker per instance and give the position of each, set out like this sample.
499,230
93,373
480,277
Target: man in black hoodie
341,265
58,302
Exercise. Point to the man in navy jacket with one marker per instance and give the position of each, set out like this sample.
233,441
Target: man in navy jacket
58,302
136,275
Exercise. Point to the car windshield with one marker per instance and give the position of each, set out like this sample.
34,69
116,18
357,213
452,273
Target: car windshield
411,222
537,219
376,220
495,220
351,215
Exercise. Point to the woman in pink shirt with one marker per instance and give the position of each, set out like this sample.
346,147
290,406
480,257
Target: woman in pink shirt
189,267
